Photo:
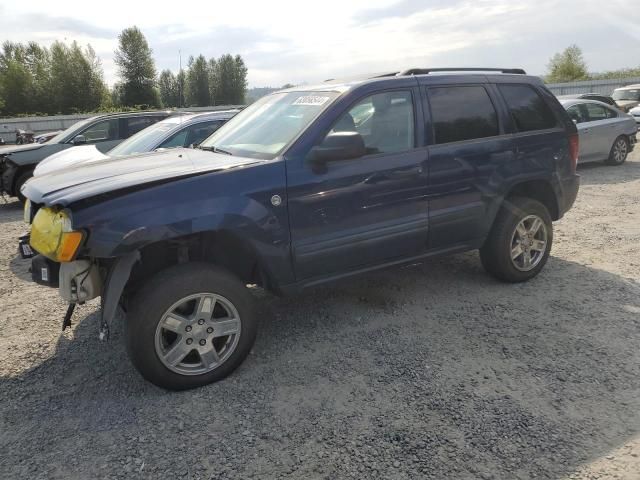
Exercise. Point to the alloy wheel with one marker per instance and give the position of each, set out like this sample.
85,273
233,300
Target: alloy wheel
197,334
620,151
528,243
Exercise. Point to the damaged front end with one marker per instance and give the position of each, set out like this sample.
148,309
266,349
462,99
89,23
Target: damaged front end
57,262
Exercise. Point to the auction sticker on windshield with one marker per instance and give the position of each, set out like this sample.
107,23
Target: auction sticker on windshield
310,100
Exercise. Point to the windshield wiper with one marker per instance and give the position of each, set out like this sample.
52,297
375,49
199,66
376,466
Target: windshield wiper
215,149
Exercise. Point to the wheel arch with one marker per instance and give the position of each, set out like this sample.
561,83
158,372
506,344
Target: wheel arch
540,190
224,248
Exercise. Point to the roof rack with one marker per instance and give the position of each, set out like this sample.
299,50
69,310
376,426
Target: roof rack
367,76
425,71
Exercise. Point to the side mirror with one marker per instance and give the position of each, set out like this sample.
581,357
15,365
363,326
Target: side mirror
79,140
338,146
574,121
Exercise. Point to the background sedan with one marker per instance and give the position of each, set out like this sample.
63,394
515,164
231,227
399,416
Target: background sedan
181,130
605,133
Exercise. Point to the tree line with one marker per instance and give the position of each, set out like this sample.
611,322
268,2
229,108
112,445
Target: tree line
221,81
570,66
67,78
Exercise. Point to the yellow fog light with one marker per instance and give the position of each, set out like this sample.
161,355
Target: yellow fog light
52,235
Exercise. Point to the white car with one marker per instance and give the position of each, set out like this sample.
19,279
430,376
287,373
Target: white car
635,113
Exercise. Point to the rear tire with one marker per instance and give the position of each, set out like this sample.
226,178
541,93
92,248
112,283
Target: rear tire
520,240
619,151
190,325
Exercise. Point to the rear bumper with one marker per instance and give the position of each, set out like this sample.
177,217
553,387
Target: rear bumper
569,191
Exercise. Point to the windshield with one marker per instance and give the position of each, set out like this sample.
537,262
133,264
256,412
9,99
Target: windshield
76,126
627,95
145,140
266,127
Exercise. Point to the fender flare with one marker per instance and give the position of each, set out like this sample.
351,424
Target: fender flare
114,285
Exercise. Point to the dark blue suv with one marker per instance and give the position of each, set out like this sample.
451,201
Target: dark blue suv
305,186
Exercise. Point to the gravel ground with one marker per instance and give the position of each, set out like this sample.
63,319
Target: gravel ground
434,371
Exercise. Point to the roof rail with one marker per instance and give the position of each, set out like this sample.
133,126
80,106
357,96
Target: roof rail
425,71
367,76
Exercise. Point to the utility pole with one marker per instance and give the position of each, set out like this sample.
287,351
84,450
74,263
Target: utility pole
180,81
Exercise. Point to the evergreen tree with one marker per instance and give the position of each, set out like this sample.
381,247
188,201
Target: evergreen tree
137,69
198,93
169,89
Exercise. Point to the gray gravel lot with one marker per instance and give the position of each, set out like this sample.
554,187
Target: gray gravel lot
434,371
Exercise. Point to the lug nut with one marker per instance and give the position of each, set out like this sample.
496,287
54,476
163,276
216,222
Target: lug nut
201,321
203,342
189,341
188,329
210,330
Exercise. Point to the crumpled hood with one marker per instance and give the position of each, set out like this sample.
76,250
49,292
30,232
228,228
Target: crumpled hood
62,187
69,157
8,149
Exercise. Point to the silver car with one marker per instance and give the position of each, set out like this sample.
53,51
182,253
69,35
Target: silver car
605,132
182,130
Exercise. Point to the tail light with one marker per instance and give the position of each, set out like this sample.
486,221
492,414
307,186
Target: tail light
574,143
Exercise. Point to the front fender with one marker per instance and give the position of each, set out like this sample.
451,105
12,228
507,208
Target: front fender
237,201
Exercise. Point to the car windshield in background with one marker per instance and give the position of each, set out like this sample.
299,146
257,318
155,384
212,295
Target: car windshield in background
633,95
76,126
266,127
143,141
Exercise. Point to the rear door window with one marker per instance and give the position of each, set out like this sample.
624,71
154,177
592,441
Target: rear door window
135,124
200,131
576,114
192,135
462,113
528,109
595,112
102,131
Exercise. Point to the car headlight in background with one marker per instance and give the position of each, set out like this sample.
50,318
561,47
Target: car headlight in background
27,211
53,236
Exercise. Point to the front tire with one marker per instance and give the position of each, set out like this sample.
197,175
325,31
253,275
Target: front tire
520,241
619,151
22,179
190,325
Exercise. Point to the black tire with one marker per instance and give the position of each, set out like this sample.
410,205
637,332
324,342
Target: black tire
22,179
495,254
164,289
618,157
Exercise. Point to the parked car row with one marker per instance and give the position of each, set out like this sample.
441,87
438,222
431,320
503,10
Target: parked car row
303,187
17,162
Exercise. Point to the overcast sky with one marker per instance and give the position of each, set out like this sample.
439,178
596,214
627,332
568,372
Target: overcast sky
293,41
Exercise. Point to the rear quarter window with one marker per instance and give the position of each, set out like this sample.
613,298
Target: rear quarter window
462,113
528,109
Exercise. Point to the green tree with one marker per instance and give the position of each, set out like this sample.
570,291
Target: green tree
77,83
137,69
15,79
622,73
225,80
239,81
567,66
197,88
169,89
213,81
